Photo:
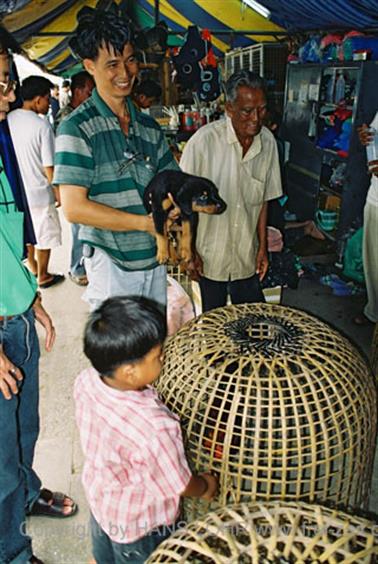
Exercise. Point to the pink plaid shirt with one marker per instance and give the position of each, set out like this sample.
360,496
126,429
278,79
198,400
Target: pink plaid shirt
135,466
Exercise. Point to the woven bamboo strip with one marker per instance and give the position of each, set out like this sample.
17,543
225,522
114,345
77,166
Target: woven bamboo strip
276,402
374,352
276,532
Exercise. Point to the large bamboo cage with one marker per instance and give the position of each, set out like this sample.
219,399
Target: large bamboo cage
374,353
275,402
272,532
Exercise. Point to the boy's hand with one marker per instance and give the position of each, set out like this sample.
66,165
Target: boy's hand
212,486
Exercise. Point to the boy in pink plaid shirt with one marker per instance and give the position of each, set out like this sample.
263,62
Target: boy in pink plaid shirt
135,468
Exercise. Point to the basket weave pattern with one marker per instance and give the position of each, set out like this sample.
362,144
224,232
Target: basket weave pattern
273,532
274,401
374,352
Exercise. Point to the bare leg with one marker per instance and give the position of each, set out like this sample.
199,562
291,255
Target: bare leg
43,257
313,231
31,261
309,228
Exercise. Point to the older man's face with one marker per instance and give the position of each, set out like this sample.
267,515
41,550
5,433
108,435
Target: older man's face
247,112
6,94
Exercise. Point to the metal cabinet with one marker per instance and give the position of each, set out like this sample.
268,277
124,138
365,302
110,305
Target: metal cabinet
326,166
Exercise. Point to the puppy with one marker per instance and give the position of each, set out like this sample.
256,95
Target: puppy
190,194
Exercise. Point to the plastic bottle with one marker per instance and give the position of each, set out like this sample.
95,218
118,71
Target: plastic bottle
330,88
340,88
372,148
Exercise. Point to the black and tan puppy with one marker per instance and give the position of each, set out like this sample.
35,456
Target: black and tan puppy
190,194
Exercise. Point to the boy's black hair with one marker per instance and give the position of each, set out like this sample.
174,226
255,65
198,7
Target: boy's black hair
149,88
122,331
99,28
34,86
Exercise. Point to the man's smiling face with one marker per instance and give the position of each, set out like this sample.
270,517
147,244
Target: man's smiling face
114,74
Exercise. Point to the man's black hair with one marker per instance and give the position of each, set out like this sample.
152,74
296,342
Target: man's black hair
122,331
34,86
66,84
149,88
99,28
80,79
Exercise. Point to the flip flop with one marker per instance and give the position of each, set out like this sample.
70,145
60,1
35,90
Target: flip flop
56,279
331,280
79,280
55,509
34,560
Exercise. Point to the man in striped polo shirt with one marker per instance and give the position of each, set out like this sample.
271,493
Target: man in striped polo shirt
106,153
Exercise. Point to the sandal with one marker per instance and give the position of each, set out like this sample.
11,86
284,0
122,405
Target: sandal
79,280
55,509
56,279
34,560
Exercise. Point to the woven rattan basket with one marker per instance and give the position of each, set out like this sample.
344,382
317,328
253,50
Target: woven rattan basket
274,532
275,402
374,352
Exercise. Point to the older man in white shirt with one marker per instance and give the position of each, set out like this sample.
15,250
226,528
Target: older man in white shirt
240,156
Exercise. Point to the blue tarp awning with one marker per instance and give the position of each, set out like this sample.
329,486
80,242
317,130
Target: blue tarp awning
301,15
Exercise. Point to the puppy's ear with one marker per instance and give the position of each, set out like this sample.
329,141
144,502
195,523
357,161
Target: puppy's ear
184,197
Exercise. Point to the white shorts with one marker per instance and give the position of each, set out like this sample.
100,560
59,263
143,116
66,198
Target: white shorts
107,280
47,229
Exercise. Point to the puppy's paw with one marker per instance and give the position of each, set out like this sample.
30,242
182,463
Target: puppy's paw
186,255
162,257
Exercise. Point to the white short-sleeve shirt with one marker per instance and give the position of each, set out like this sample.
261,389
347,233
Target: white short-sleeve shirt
34,144
228,243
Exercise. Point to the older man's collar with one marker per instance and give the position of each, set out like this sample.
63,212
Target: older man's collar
231,135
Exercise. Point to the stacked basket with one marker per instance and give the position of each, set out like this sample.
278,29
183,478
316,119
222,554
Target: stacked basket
274,532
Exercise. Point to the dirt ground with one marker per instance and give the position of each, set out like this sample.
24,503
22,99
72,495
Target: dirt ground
58,454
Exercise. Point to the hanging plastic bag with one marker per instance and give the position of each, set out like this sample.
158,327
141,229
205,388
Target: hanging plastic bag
179,308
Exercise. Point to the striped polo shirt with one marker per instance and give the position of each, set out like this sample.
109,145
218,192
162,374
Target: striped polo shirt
93,152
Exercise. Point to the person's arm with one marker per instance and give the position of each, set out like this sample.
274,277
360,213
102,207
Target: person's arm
262,262
204,486
9,373
49,172
44,319
78,208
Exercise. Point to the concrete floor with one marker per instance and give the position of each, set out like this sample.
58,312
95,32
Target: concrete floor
58,455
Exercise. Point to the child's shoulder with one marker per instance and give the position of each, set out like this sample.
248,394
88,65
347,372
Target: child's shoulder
161,417
85,380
